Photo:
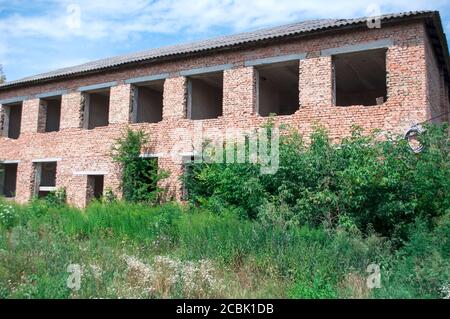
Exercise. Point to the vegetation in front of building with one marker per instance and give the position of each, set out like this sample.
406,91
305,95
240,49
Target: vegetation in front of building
308,231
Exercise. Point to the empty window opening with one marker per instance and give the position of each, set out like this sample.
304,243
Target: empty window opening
278,88
360,78
8,180
49,114
205,96
45,178
148,102
12,117
96,109
95,187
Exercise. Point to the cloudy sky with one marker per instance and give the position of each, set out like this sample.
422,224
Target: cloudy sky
38,36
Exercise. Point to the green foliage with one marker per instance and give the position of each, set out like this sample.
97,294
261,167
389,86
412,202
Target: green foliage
140,176
2,75
421,268
366,183
58,197
109,197
313,288
308,231
8,215
121,246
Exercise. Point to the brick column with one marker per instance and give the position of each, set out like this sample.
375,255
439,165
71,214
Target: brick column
25,180
4,121
407,102
239,91
30,113
71,111
175,98
172,185
119,104
42,116
316,81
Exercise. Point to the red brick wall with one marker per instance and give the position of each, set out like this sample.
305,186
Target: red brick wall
412,94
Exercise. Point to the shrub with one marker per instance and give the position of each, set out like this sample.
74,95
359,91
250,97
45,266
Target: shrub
140,176
8,215
57,197
365,182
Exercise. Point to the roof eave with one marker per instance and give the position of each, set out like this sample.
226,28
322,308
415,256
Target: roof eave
433,16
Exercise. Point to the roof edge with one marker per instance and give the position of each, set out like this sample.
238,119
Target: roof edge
433,16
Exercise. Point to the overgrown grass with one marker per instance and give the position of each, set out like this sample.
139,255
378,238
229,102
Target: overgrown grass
170,251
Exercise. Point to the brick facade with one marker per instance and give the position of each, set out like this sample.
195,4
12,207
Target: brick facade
416,92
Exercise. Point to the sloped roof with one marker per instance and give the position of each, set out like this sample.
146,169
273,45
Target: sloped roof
224,42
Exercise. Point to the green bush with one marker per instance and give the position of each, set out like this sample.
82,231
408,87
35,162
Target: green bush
367,182
140,176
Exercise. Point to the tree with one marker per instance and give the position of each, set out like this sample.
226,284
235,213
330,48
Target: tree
140,176
2,75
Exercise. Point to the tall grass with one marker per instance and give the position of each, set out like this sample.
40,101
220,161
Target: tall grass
171,251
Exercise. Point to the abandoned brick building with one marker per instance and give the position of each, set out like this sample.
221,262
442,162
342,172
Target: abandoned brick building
58,127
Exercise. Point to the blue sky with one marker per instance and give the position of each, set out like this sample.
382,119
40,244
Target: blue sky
39,36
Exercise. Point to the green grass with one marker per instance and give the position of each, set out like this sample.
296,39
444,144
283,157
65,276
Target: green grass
170,251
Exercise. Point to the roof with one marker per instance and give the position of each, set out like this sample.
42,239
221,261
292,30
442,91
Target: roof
228,42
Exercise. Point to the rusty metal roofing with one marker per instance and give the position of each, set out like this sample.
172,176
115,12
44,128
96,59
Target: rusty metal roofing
224,42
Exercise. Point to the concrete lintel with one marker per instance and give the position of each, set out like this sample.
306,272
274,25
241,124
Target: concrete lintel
209,69
276,59
47,188
186,154
14,100
46,160
151,155
372,45
91,173
148,78
97,86
10,162
51,94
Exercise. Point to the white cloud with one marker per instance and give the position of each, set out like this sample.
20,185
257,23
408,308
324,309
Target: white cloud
116,20
106,25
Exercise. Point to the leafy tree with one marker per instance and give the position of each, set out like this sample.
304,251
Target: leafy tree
2,75
140,176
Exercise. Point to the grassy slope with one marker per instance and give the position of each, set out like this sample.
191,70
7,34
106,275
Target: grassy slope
131,251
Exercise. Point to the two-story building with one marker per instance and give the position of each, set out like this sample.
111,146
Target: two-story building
58,127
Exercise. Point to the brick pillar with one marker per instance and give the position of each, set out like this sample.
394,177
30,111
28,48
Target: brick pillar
25,181
316,81
30,112
4,121
71,111
119,104
239,91
77,191
42,116
407,101
175,98
172,185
